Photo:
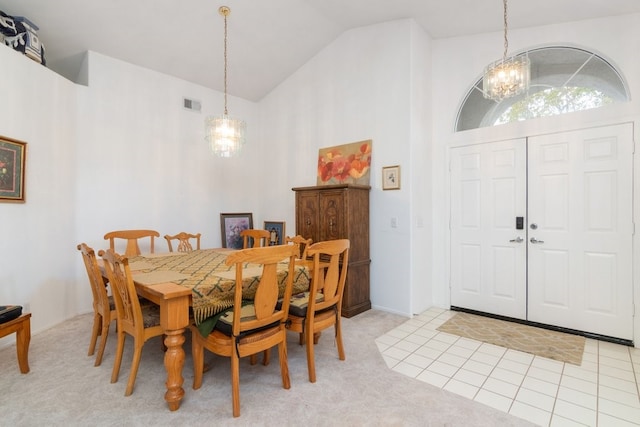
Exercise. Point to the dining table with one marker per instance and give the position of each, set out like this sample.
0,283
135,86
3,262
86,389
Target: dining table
198,282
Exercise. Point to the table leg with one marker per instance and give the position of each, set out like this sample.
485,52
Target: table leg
174,318
23,338
173,363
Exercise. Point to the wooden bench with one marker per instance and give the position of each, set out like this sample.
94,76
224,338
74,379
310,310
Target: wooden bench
22,327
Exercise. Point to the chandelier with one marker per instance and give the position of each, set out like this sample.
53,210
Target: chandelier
225,135
506,77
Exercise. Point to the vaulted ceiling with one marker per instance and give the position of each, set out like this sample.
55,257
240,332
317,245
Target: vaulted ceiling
268,40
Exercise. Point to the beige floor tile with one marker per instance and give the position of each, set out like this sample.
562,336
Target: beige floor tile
530,413
539,389
494,400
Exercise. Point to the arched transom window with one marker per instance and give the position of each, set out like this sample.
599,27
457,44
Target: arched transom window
563,80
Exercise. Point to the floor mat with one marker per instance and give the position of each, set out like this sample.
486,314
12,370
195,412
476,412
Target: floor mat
541,342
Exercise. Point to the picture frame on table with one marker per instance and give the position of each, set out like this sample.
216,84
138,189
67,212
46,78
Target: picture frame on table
12,170
276,231
231,225
391,177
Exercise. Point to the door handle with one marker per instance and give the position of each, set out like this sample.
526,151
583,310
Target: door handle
517,240
535,241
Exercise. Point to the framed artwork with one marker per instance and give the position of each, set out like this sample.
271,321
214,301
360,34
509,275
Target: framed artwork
345,164
231,225
276,231
391,177
12,169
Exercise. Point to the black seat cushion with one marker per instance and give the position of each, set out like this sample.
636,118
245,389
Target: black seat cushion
225,321
299,303
9,312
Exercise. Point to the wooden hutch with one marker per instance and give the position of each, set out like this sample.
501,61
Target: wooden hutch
330,212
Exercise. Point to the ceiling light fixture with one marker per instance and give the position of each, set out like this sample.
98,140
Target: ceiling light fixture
506,77
225,135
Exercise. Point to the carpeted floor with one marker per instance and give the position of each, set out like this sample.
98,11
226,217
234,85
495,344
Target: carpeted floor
541,342
65,389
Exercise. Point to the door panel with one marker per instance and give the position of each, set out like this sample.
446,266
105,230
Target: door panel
307,214
488,190
580,198
332,215
553,273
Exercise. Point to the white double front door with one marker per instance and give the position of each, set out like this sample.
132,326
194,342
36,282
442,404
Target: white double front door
541,229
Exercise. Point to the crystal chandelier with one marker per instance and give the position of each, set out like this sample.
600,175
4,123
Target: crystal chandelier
507,76
225,135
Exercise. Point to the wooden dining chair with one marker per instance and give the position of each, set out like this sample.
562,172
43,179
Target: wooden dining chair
184,244
308,316
301,244
254,238
250,328
132,237
141,322
104,309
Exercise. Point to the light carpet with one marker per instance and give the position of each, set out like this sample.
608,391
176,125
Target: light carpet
541,342
65,389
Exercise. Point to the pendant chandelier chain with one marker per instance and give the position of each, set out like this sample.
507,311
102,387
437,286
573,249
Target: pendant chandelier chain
506,41
225,13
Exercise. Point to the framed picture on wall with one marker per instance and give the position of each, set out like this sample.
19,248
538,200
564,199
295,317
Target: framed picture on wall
391,177
276,231
12,169
231,225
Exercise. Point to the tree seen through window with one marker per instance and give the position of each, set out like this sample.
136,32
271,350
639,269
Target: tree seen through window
553,102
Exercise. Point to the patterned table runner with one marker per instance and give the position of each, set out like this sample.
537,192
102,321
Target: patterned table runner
210,292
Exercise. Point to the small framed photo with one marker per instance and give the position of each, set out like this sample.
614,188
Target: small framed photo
391,177
12,170
276,231
231,225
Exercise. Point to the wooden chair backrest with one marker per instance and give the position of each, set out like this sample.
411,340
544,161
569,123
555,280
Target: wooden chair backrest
268,290
301,244
259,238
330,261
184,245
124,293
131,236
98,286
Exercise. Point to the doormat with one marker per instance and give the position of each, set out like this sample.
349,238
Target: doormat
529,339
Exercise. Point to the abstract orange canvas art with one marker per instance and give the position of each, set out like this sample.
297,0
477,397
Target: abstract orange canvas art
345,164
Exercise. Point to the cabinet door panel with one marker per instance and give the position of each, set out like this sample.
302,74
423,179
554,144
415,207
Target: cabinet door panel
332,215
307,215
356,291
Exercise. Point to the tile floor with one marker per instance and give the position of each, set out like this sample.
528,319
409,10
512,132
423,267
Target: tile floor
603,391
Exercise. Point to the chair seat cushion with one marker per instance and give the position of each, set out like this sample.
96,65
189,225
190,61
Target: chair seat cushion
150,315
300,302
248,312
9,312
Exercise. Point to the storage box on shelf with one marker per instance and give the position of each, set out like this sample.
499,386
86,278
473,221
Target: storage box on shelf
21,34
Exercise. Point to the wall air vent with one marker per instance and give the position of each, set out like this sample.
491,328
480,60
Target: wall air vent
191,104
